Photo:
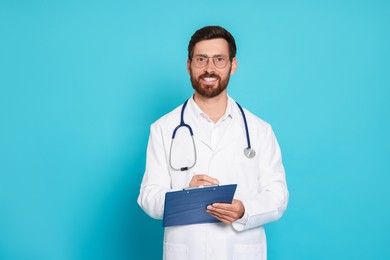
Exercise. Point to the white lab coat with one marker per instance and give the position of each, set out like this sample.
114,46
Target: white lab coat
261,186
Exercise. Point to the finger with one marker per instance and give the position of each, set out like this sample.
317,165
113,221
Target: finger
234,205
229,210
206,178
223,212
221,217
225,219
199,183
204,183
225,206
202,180
237,208
222,209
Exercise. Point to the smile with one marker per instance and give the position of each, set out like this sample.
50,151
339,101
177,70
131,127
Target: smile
210,79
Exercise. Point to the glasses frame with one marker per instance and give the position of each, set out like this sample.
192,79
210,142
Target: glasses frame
212,57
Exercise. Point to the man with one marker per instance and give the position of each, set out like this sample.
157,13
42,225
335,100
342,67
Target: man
217,158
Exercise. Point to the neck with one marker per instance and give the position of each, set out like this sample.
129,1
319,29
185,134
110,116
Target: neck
214,107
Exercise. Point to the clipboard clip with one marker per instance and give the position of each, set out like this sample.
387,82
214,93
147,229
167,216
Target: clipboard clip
199,187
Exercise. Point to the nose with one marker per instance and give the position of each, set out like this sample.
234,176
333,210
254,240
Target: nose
210,67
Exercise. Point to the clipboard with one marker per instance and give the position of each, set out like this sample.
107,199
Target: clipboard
188,206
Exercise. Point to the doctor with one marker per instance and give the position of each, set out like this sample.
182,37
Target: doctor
215,155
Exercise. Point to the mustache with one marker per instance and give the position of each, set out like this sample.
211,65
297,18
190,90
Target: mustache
209,75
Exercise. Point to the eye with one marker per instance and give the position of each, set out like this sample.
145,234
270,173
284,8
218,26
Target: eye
200,59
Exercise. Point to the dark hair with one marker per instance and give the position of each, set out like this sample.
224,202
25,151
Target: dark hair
212,32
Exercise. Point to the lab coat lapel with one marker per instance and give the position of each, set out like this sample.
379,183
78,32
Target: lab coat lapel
200,136
233,134
199,133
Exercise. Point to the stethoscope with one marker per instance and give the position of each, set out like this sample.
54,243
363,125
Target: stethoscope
248,151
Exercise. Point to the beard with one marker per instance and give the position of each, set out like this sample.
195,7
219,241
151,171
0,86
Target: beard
206,90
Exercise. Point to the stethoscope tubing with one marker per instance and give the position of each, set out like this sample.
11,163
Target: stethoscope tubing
248,140
182,124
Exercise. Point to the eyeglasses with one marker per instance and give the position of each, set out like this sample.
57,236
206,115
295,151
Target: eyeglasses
220,61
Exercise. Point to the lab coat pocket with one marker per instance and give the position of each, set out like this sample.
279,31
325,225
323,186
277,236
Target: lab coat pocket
249,252
246,162
175,251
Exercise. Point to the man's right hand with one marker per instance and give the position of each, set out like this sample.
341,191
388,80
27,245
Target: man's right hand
202,180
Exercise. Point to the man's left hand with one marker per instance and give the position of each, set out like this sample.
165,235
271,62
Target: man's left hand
225,212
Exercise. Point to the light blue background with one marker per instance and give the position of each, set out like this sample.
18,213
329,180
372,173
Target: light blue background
81,81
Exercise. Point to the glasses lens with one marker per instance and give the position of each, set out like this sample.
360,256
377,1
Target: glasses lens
220,61
200,61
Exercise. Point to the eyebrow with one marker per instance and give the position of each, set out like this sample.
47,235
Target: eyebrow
205,55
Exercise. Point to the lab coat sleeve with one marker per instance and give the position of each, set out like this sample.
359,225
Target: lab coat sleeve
156,180
271,199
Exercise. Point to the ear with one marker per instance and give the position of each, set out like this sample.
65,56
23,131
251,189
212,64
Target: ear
234,66
188,66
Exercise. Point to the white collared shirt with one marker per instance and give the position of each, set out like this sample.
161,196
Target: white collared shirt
212,131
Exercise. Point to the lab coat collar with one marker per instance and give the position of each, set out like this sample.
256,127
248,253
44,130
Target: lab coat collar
196,111
234,129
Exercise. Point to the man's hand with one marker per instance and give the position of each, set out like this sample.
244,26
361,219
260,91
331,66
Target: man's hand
225,212
202,180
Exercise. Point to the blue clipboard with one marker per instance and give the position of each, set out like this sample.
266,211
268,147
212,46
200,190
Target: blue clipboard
188,206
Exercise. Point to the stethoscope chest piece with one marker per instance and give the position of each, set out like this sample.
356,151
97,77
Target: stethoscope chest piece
249,152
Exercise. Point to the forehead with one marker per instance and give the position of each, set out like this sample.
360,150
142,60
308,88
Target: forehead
212,47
